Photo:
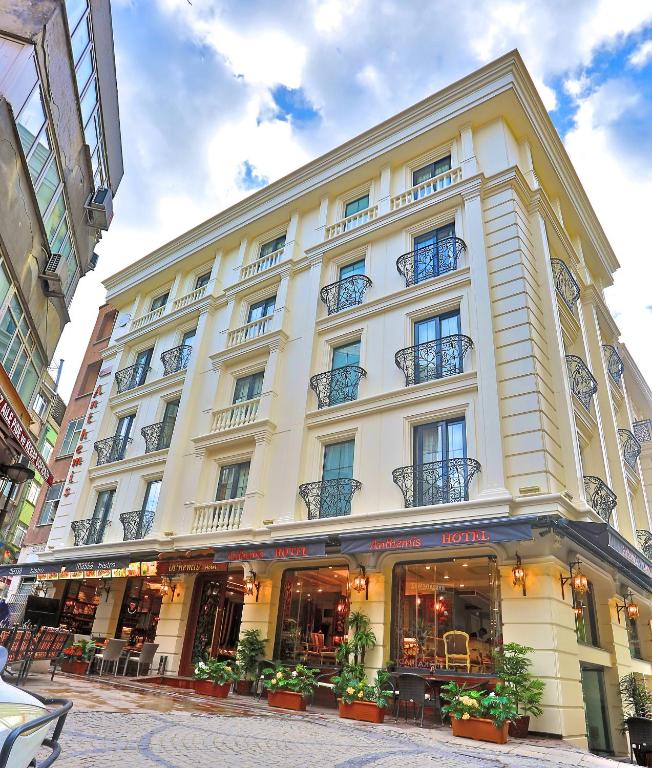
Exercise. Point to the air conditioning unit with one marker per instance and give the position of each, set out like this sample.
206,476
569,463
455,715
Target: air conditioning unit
99,208
92,262
54,276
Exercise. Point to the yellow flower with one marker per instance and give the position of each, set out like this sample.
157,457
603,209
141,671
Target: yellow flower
361,695
350,691
279,675
466,716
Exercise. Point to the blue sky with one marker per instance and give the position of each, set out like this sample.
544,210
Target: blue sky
218,98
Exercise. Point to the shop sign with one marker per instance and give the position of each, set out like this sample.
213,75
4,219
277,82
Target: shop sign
81,569
199,565
630,554
8,415
453,537
273,552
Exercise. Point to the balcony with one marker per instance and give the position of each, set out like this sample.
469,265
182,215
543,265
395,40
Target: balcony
337,386
433,359
351,222
431,260
249,331
600,496
630,446
643,430
582,382
644,539
436,482
345,293
136,525
157,436
176,359
425,189
111,449
329,498
129,378
189,298
565,283
615,365
217,516
89,531
236,415
261,265
150,317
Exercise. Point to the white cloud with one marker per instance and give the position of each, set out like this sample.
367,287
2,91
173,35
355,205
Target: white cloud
641,56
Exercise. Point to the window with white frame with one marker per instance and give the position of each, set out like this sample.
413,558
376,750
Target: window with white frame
19,534
73,430
51,504
40,404
33,492
46,451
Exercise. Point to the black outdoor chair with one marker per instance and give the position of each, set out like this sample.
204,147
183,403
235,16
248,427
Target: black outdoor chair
640,739
415,690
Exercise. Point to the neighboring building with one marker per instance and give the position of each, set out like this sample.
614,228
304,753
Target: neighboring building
60,165
388,382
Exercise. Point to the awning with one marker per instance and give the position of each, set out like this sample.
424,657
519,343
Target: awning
87,564
22,437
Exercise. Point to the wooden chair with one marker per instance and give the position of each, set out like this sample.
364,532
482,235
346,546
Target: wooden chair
315,647
456,649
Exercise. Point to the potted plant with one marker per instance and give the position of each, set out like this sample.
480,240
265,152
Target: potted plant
637,708
512,666
250,649
363,638
479,715
214,678
78,657
288,689
357,699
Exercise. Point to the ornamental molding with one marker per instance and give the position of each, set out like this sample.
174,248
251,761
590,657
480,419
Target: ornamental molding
272,342
105,471
166,384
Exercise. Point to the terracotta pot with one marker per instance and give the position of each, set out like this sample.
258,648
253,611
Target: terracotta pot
286,700
520,727
209,688
243,687
480,729
366,711
75,667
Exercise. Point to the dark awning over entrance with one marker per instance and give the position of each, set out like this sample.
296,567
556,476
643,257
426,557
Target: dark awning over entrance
89,564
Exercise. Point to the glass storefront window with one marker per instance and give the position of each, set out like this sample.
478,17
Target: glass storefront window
446,614
140,610
313,610
586,624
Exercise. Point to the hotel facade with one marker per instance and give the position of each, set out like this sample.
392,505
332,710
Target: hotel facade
388,382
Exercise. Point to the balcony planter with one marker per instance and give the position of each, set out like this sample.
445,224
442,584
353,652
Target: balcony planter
480,729
243,687
520,727
286,700
209,688
75,667
366,711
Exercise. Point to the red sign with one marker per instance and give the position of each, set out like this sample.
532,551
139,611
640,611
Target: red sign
199,565
8,415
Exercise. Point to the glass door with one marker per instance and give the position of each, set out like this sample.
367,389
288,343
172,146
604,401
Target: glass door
435,355
595,709
429,260
122,436
347,295
338,465
101,513
169,419
437,478
344,386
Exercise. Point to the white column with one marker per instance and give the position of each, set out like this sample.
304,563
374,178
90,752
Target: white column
384,191
254,497
468,160
291,245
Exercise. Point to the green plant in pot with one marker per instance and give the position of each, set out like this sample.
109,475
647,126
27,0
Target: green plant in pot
250,649
289,688
637,708
359,699
478,714
512,666
362,640
214,678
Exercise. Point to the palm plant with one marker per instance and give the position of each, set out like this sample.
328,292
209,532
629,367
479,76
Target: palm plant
363,638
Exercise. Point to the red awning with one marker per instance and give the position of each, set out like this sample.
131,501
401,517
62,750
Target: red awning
27,446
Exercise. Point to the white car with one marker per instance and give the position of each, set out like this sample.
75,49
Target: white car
25,720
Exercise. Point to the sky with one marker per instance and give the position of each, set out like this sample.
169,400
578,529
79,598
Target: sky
219,98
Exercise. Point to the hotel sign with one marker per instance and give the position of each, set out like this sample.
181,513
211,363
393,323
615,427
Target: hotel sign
199,565
10,418
271,552
452,537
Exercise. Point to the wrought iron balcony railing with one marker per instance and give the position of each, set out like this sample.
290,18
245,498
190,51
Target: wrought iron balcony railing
433,359
132,377
89,531
582,381
218,516
630,446
137,524
176,359
337,386
158,436
643,430
436,482
600,496
345,293
430,260
329,498
615,365
111,449
644,539
566,285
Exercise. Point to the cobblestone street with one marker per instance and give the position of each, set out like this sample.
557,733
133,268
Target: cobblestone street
111,727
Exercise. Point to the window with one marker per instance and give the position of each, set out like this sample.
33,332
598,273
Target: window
349,293
159,301
90,377
202,280
272,246
634,638
261,309
51,504
357,205
122,437
103,505
435,253
167,427
436,479
19,535
434,597
141,367
150,500
312,615
46,451
586,623
430,171
438,347
248,387
344,385
33,492
73,430
40,404
336,471
233,481
188,338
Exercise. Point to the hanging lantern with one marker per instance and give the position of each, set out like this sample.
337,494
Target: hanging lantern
518,574
361,582
578,608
